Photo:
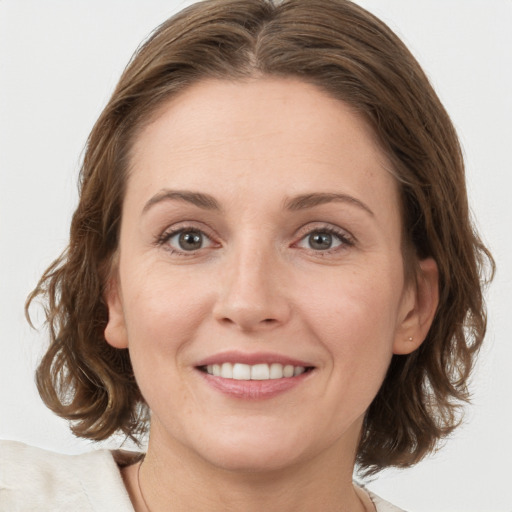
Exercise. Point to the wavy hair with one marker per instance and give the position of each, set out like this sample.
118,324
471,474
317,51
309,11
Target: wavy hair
347,52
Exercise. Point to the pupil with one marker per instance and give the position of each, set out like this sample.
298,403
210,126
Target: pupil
190,240
320,241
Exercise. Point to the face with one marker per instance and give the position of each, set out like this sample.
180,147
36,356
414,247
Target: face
260,283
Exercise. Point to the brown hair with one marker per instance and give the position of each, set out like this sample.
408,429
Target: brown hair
347,52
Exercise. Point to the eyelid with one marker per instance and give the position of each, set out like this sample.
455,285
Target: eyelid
206,241
163,238
347,239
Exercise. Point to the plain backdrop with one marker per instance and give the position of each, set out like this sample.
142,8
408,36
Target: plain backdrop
59,62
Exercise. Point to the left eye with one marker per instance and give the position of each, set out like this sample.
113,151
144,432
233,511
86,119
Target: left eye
321,241
189,240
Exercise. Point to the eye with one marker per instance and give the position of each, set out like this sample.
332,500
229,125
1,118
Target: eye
188,240
323,240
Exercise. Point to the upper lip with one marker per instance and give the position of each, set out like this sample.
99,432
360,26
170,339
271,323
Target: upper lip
252,359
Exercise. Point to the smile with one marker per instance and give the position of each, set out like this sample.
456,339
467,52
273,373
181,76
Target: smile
262,371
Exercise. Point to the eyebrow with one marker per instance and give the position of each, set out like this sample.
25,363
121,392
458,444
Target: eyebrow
311,200
208,202
204,201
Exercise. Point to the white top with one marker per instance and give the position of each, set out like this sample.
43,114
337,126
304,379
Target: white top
32,479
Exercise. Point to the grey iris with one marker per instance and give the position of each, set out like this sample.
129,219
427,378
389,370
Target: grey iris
320,241
190,240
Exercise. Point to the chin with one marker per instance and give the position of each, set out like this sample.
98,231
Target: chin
273,446
251,458
260,447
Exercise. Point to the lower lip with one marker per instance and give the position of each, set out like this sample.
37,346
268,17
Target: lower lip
254,389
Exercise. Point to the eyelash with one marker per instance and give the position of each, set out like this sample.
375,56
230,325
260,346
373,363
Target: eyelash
345,239
166,236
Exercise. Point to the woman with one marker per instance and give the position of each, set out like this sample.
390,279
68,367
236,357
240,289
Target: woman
272,254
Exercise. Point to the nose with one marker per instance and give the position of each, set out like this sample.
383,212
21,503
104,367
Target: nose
252,292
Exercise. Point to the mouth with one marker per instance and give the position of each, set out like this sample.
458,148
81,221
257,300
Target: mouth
254,376
260,371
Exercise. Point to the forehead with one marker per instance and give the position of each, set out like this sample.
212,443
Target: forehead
264,130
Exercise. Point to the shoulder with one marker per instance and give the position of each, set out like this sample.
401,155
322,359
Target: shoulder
36,479
382,505
372,501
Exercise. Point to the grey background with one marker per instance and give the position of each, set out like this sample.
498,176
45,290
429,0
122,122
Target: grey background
59,61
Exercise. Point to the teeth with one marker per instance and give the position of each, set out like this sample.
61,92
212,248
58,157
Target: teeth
276,371
288,371
226,370
239,371
260,372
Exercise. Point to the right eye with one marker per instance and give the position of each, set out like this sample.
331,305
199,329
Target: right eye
188,240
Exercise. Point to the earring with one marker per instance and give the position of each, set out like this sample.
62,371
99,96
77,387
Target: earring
410,338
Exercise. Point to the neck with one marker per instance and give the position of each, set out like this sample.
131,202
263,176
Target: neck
171,478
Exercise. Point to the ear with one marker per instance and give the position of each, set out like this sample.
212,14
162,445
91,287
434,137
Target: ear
115,330
418,308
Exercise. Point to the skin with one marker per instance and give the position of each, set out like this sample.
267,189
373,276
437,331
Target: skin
257,284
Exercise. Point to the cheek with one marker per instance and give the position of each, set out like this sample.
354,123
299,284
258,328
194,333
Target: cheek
162,314
162,318
355,318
